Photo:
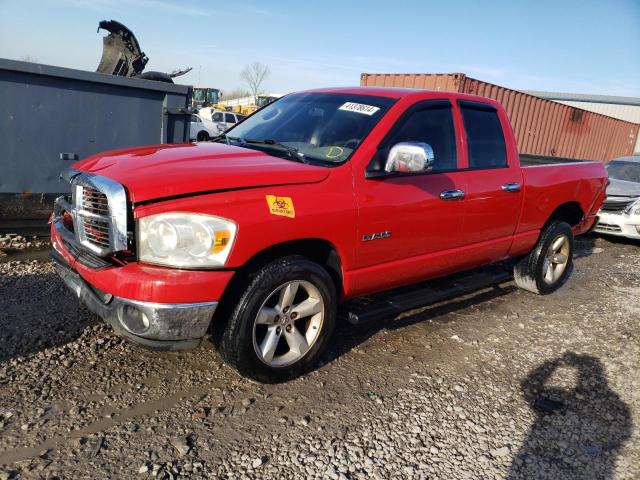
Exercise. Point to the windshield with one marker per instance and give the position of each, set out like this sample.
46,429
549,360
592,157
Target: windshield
212,95
322,127
262,101
198,95
621,170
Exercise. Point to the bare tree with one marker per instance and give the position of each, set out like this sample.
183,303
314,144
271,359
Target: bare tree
253,75
237,93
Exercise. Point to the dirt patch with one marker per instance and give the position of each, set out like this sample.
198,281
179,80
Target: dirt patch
500,384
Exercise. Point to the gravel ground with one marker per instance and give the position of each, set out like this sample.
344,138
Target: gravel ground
501,384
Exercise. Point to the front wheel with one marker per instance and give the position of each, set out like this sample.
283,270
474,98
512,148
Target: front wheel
282,321
548,265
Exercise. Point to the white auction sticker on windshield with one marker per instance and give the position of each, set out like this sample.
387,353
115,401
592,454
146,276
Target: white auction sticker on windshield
359,108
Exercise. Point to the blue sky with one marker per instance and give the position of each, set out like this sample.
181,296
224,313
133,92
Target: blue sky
576,46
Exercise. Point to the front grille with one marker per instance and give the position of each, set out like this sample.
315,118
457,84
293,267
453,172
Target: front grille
93,217
93,213
616,205
607,227
95,201
86,258
98,213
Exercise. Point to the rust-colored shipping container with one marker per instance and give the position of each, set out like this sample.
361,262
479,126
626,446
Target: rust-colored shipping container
542,127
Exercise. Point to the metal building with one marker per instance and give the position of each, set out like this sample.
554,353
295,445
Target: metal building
623,108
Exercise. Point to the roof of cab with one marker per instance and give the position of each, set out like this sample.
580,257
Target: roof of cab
397,92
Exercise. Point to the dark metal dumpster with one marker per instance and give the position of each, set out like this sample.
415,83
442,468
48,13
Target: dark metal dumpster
46,111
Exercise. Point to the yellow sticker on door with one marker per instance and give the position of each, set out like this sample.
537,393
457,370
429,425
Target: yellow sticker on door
282,206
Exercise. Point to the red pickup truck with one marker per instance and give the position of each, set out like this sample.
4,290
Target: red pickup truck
317,198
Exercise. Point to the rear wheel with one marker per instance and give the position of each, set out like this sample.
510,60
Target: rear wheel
549,264
282,321
202,137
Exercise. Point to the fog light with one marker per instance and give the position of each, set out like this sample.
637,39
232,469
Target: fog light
134,320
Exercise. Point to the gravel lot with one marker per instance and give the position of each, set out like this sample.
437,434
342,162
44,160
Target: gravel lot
501,384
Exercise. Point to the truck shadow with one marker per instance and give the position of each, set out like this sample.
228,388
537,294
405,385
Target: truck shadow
617,240
584,246
580,427
348,336
38,312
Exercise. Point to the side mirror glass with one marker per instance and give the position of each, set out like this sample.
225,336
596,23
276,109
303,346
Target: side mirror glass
410,157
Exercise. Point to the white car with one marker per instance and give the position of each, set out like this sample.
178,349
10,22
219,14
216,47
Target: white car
620,211
221,118
225,120
202,129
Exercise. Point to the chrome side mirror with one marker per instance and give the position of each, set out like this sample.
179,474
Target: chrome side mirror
410,157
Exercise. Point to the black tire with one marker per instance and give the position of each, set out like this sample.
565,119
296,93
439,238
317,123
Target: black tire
202,136
236,344
529,271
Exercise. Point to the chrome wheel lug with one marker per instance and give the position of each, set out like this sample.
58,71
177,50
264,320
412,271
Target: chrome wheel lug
289,328
294,315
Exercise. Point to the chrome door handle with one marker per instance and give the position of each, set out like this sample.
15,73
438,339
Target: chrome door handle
511,187
451,194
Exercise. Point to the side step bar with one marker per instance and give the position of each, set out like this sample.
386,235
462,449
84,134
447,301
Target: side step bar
392,303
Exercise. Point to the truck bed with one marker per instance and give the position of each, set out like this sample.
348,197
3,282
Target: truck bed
557,183
533,160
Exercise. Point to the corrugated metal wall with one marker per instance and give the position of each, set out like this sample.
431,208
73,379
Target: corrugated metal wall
447,82
628,113
541,127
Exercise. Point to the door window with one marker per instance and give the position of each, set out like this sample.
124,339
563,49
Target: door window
229,118
484,137
217,117
432,125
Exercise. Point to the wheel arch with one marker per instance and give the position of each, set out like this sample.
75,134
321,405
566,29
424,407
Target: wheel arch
570,212
318,250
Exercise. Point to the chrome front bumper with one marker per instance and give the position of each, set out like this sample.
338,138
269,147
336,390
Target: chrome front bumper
160,326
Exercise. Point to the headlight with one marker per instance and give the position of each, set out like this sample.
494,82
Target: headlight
189,240
633,209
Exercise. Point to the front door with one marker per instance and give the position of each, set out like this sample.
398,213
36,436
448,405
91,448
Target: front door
410,226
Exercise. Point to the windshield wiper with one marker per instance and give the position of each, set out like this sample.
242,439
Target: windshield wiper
293,152
226,138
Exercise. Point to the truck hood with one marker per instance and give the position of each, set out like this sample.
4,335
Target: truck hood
153,173
623,188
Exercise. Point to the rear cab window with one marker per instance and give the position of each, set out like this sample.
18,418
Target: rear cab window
485,137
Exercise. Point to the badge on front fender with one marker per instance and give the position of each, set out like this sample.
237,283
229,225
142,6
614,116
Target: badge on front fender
282,206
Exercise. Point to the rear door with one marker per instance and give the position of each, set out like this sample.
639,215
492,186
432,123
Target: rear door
494,183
